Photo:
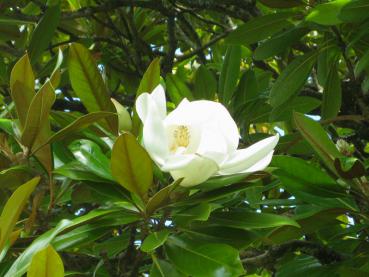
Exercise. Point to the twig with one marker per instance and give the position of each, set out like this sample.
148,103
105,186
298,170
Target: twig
167,63
268,258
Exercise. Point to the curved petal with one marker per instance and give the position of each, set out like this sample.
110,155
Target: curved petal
158,96
245,159
205,115
176,162
195,172
142,105
260,165
154,135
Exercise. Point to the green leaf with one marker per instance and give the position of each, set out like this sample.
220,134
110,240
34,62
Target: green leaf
292,79
229,73
38,116
332,94
161,198
154,240
280,4
325,60
317,138
79,124
203,259
355,11
205,85
349,167
279,43
162,268
131,165
19,267
13,208
22,83
200,212
124,119
301,104
77,171
90,155
15,176
362,64
298,175
44,32
177,89
149,81
327,13
46,263
260,28
9,32
247,90
250,220
88,83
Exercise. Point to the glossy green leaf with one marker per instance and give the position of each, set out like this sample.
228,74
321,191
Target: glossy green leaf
301,104
162,268
149,81
13,209
327,13
38,116
124,119
317,138
279,43
247,90
280,4
250,220
203,259
15,176
131,165
355,11
292,79
362,65
19,267
44,32
22,82
46,263
229,73
177,89
349,167
205,85
78,125
260,28
332,95
302,176
154,240
200,212
161,198
90,155
77,171
88,83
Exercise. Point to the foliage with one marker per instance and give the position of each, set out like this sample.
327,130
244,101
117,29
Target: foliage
78,192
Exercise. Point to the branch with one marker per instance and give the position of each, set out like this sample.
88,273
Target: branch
167,63
202,48
268,259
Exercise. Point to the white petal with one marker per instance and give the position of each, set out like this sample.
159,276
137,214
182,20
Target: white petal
142,105
262,164
158,95
154,135
196,172
205,114
175,162
244,159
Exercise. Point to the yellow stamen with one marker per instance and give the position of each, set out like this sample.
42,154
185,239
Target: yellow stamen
181,137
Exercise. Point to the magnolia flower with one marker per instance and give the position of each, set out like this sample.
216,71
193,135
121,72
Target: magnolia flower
197,140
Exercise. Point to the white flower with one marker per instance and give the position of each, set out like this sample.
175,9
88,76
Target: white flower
197,140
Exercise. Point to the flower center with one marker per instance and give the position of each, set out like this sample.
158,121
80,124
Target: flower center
181,137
